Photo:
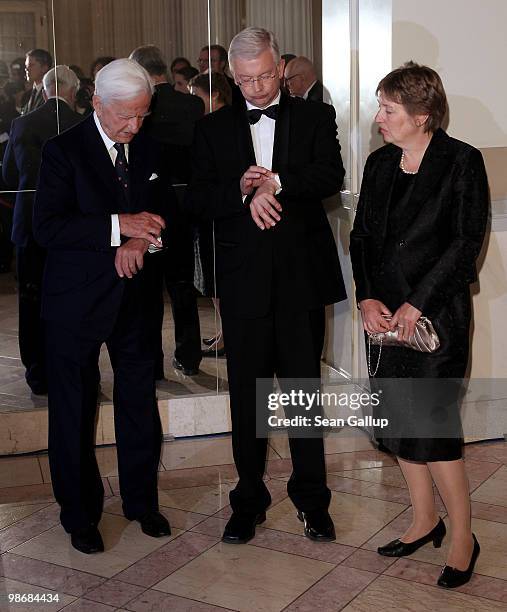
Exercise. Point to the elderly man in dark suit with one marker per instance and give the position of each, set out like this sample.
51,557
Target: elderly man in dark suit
261,171
98,212
301,80
171,124
20,170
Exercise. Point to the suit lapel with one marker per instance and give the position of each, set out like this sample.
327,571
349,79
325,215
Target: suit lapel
282,131
137,167
384,183
434,166
98,157
244,136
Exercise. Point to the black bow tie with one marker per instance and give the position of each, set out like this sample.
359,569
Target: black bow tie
256,113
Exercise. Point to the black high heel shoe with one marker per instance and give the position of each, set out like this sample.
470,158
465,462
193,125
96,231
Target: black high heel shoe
397,548
209,341
450,578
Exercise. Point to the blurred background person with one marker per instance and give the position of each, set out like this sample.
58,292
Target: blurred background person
219,65
179,63
287,57
171,123
221,95
84,96
20,171
418,231
181,78
99,63
301,80
37,63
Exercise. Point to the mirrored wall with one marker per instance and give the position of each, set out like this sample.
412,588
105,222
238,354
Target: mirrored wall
191,35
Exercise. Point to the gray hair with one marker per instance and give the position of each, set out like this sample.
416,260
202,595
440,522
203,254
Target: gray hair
59,77
122,79
250,43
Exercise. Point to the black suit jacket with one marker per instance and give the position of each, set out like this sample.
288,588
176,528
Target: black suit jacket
316,93
78,191
295,264
443,231
23,155
171,123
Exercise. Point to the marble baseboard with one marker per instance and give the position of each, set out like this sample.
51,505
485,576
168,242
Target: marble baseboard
197,415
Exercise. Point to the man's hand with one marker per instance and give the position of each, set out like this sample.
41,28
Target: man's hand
371,313
264,205
130,256
405,319
253,178
142,225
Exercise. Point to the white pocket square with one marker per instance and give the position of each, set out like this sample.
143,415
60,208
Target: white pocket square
153,177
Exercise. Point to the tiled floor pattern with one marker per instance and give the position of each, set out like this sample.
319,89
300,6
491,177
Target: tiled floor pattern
279,570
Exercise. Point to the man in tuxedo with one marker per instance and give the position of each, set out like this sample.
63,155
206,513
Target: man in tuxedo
261,171
171,124
98,212
37,63
20,170
301,80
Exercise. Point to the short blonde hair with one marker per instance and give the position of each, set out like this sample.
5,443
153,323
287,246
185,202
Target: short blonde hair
251,42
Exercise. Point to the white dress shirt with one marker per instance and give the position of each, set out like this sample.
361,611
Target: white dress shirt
263,138
109,144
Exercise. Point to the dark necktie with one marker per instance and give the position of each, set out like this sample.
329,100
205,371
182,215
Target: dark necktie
256,113
122,168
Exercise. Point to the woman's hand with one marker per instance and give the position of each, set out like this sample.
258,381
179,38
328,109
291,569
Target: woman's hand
405,318
371,313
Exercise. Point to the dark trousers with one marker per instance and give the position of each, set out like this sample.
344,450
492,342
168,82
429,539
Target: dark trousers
288,345
187,332
73,377
30,261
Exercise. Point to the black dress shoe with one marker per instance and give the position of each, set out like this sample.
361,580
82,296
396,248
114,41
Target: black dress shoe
318,525
397,548
154,524
240,528
87,540
450,578
187,371
209,341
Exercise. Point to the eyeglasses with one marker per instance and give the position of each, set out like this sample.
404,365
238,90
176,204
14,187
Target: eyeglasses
289,79
249,81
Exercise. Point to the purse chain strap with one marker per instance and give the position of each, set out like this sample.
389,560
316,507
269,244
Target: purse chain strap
369,356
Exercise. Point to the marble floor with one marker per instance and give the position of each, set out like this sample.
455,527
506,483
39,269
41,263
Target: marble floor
279,569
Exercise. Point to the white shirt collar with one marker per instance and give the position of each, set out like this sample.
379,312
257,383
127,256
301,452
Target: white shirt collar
305,96
275,101
38,87
107,141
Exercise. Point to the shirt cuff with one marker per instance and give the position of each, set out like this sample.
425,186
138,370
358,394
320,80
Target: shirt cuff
115,231
277,179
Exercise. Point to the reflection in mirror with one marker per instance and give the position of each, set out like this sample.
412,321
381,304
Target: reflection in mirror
166,38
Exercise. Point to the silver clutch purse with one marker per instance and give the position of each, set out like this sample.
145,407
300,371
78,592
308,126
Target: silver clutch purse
424,340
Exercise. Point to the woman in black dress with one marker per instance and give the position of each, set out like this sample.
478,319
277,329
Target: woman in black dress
418,231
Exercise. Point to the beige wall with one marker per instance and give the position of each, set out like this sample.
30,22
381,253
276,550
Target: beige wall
464,40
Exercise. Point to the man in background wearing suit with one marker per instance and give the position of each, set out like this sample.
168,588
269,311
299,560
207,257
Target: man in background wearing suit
21,170
261,171
96,212
37,63
301,80
171,124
